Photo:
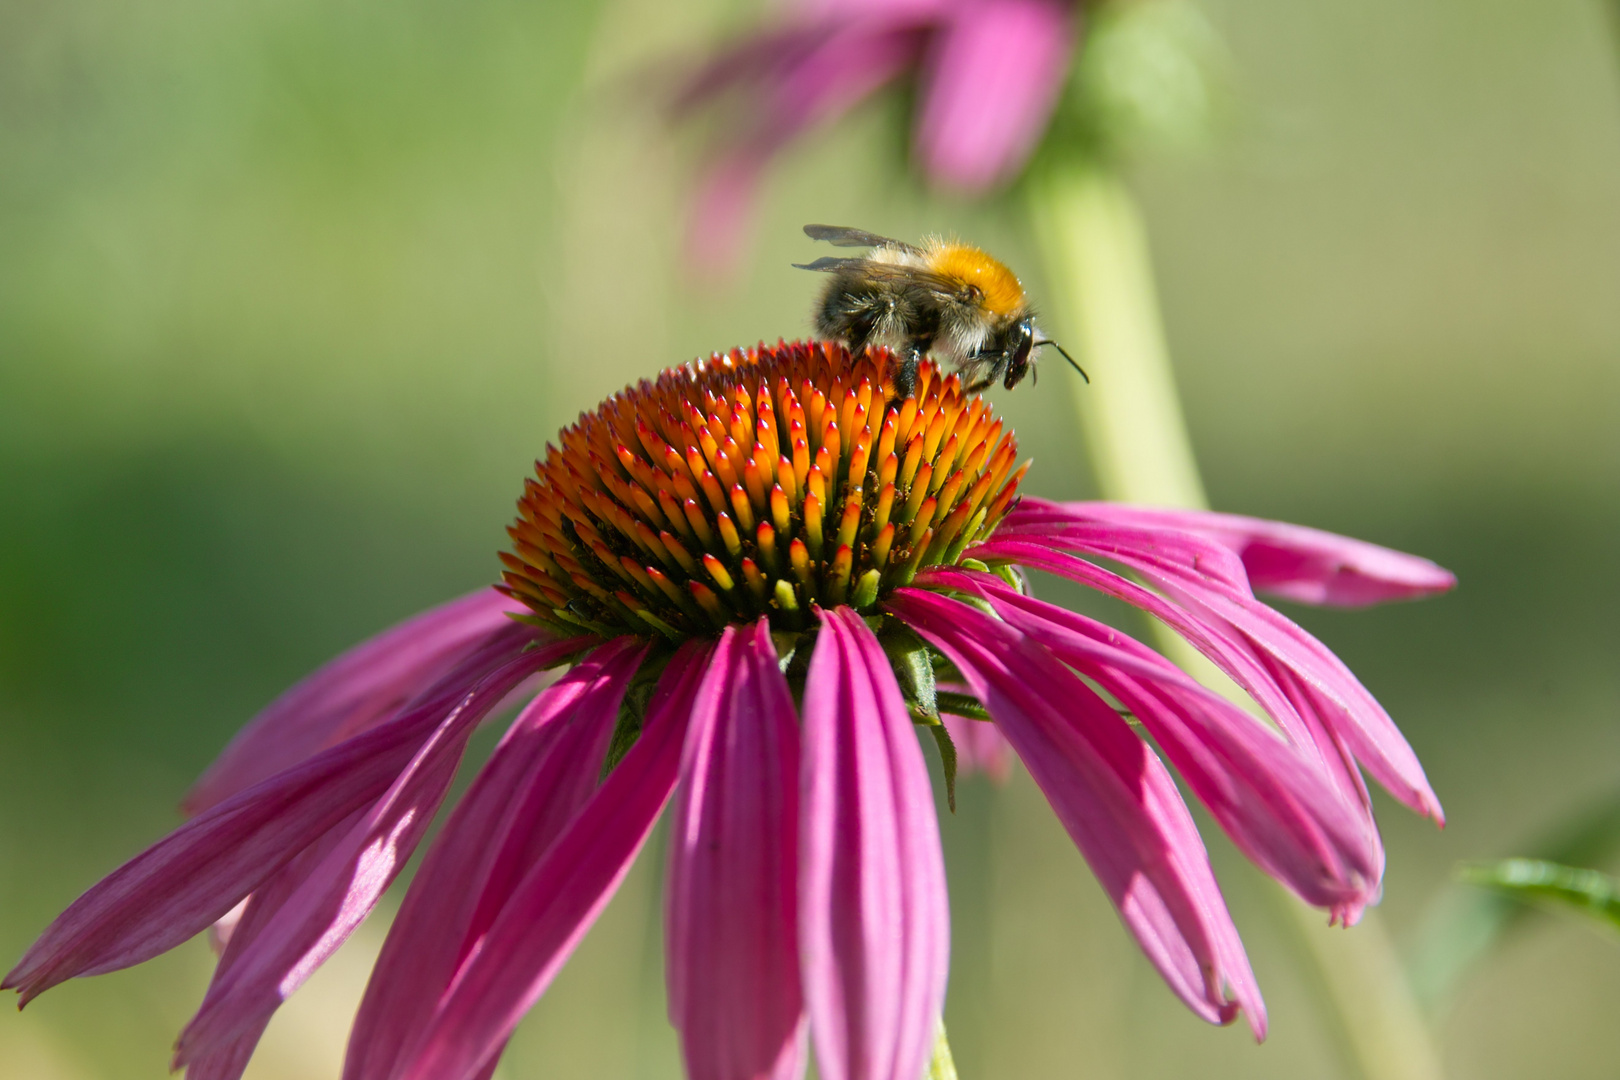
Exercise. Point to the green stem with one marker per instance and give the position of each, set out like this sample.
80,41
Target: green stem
1105,307
1108,313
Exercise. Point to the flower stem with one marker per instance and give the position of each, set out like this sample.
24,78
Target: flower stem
1097,258
1104,304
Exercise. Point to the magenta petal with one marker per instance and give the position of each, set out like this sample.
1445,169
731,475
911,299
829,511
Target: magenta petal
1113,796
992,79
362,687
1306,565
1329,707
539,776
228,1060
338,895
560,897
179,886
1275,803
732,933
874,920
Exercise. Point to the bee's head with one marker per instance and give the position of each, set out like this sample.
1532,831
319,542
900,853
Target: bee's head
1020,342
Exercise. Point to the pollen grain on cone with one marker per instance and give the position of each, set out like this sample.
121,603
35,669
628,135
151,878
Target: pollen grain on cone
754,483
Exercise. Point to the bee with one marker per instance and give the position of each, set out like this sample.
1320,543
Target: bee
944,299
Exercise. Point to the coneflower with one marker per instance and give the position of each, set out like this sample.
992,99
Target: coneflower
760,575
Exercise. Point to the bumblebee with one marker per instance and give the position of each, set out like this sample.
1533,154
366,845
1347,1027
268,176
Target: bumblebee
944,299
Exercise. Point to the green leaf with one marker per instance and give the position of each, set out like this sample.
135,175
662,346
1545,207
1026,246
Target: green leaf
1464,924
962,705
947,755
633,710
1591,892
913,669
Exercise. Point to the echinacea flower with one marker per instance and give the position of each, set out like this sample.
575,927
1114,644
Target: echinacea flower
989,71
761,574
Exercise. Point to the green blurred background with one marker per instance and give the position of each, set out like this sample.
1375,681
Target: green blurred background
292,293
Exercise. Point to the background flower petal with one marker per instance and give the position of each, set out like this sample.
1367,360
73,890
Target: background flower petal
874,914
732,932
980,747
991,79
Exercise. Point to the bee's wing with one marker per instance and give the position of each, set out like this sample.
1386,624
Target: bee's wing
843,236
829,263
895,273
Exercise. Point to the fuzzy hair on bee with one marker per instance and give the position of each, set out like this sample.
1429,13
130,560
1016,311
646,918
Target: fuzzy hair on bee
943,299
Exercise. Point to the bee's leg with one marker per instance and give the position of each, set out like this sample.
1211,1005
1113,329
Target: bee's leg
990,375
905,376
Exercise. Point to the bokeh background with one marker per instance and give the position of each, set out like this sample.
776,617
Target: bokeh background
292,293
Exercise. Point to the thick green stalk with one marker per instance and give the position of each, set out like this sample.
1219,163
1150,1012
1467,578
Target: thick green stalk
1103,304
1108,313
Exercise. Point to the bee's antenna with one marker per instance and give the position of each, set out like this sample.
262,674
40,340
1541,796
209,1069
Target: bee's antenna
1066,356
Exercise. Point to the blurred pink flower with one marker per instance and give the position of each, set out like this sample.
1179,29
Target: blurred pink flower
989,75
806,896
980,748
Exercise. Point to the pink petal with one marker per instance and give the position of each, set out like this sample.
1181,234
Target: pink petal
338,895
1275,803
560,897
874,921
362,687
979,748
1200,583
992,78
539,776
1113,796
732,935
1291,561
196,874
227,1061
788,83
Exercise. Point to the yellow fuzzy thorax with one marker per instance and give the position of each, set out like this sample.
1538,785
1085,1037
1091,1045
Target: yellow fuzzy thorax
1002,293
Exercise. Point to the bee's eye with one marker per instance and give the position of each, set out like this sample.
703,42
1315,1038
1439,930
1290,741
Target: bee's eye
1019,344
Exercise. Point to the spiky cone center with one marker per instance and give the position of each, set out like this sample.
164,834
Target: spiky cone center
760,482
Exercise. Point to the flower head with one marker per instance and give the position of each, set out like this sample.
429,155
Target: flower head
990,73
758,575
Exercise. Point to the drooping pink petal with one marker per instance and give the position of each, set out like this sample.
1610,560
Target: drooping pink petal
991,80
228,1060
1305,565
338,894
1276,803
731,938
362,687
561,895
1267,681
874,919
183,883
1201,586
1113,796
542,772
979,748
